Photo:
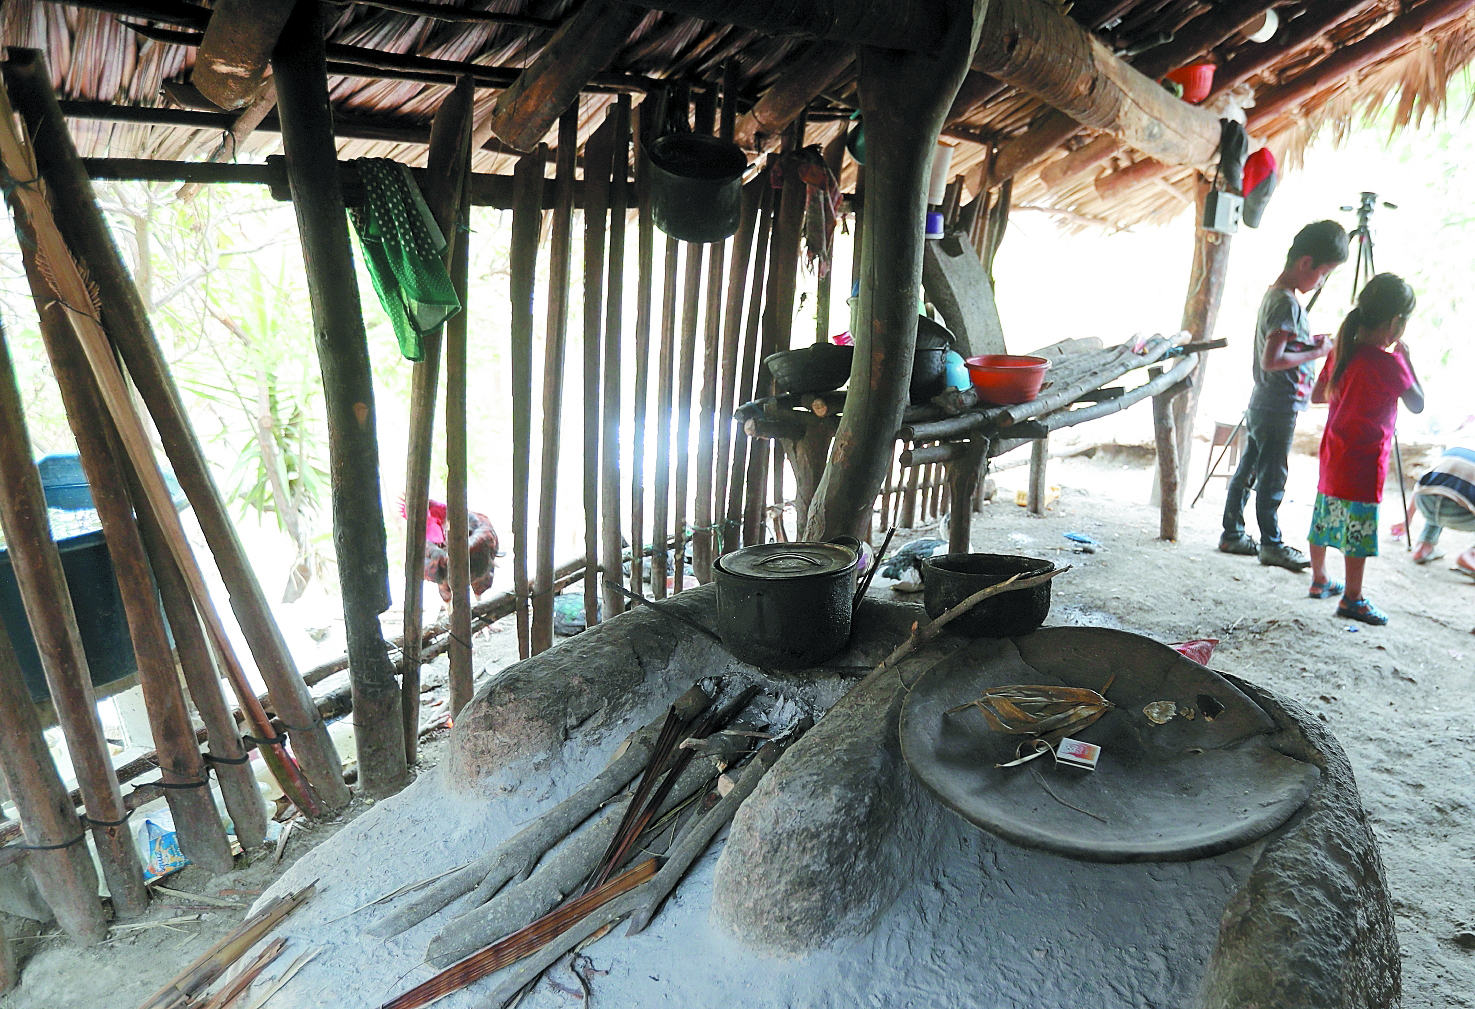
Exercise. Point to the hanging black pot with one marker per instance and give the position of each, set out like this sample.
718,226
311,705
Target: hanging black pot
696,188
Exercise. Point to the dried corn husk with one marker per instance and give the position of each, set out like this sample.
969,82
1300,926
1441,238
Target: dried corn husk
1045,712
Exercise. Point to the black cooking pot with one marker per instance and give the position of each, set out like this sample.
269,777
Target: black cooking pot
929,363
786,605
696,186
948,579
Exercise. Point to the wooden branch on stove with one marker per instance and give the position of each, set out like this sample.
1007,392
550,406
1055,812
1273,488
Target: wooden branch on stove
583,46
235,53
515,857
804,77
1402,31
1166,381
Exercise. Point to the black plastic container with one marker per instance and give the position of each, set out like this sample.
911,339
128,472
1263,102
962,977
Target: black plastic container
785,605
696,186
948,579
823,367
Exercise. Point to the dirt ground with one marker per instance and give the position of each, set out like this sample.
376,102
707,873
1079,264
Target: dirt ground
1398,698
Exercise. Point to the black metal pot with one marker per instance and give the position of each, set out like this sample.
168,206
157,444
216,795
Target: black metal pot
785,605
948,579
929,363
696,186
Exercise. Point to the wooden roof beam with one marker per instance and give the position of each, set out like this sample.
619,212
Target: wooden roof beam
234,57
1348,60
583,46
463,15
1291,37
805,76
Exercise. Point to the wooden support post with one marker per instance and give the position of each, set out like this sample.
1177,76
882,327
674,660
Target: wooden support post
1167,463
127,324
527,225
583,46
740,487
807,457
903,98
43,589
644,284
909,498
598,152
661,519
555,334
964,475
611,547
348,388
1039,458
64,875
1206,283
459,672
201,836
448,164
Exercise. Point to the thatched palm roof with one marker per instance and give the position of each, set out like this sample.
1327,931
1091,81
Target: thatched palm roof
95,58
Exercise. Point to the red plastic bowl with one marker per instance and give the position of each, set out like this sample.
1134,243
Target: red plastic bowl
1197,80
1006,379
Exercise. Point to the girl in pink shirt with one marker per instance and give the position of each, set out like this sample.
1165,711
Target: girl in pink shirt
1367,374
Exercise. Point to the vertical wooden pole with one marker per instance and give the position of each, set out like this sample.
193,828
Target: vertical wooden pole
703,537
732,330
127,324
43,589
1206,283
201,836
555,335
63,872
348,388
1039,458
741,514
645,281
686,381
778,309
962,477
909,498
461,676
446,167
611,547
527,225
1167,463
661,539
598,152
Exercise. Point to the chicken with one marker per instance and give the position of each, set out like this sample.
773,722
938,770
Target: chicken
481,542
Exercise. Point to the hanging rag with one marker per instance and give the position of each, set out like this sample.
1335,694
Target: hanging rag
821,208
404,250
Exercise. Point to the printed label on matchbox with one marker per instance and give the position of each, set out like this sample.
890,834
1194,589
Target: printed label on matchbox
1074,751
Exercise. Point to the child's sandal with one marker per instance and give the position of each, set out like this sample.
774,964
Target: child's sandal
1363,611
1326,589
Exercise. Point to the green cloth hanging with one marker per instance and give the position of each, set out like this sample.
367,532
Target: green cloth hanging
404,250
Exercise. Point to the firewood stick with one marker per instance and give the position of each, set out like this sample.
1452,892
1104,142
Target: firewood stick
515,857
561,874
232,990
644,901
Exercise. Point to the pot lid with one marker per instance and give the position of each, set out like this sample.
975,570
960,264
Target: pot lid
932,336
779,561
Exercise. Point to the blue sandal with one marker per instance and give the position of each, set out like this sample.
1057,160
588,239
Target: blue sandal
1326,589
1363,611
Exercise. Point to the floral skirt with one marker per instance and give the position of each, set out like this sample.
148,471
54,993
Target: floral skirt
1348,526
